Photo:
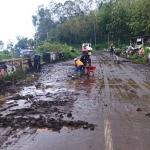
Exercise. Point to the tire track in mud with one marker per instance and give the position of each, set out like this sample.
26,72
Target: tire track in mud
137,81
127,99
110,103
106,99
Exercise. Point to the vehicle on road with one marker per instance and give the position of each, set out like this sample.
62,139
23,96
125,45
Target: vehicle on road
25,53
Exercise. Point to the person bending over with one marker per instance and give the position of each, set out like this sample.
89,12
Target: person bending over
78,64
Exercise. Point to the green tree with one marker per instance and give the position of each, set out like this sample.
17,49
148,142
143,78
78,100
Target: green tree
1,44
120,16
140,18
6,52
24,43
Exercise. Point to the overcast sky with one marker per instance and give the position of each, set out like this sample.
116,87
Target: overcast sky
16,18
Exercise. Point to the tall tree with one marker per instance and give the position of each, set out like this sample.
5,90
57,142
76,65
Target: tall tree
140,18
24,43
120,16
1,44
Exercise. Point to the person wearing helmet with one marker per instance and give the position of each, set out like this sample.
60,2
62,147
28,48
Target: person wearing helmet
78,64
88,58
85,59
142,50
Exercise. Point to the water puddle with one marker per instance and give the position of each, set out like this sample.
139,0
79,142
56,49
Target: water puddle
63,128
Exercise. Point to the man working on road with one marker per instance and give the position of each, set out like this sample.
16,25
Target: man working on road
79,65
85,59
111,51
61,55
116,57
37,64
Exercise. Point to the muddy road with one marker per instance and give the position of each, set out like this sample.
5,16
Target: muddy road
108,111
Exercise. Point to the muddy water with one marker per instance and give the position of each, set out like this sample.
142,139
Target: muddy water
116,101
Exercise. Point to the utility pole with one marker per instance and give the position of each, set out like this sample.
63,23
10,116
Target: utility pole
36,43
108,39
94,34
11,45
94,22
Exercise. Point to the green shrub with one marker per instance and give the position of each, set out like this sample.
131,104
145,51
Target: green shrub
48,47
142,59
5,56
97,47
132,57
6,52
100,46
139,60
71,54
146,50
15,76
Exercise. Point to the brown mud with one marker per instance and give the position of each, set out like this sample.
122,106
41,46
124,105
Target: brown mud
108,111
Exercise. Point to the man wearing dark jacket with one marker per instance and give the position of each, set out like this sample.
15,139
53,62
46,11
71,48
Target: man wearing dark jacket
85,59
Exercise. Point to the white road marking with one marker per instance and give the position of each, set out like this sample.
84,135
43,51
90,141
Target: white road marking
108,135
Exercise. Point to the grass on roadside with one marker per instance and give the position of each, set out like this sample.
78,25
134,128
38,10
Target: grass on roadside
48,47
19,76
5,56
138,60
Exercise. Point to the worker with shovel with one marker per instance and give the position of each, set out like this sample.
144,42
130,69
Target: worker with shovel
37,64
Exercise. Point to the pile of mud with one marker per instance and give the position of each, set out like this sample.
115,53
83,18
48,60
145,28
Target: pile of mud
42,122
54,114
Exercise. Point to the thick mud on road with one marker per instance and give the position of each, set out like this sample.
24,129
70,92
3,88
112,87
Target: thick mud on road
107,111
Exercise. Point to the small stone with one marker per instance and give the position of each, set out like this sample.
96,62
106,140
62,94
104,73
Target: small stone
85,126
148,114
61,116
138,109
92,128
69,114
33,122
132,91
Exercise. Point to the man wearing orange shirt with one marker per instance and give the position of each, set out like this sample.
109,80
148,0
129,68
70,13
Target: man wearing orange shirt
79,65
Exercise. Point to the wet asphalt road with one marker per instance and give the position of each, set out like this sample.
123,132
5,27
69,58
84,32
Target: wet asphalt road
111,100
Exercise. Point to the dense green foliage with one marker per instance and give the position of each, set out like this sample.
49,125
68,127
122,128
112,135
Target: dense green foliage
139,60
1,44
47,47
76,22
5,55
24,43
15,76
19,75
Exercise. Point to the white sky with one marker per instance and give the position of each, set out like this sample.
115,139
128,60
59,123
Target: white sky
16,18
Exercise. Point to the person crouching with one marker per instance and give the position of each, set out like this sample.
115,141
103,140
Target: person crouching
78,64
